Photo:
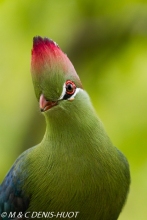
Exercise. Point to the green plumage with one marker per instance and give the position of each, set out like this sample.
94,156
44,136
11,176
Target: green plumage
75,168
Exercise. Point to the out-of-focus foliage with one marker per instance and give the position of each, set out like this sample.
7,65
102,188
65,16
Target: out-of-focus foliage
107,43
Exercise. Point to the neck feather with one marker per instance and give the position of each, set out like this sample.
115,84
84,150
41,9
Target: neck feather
72,124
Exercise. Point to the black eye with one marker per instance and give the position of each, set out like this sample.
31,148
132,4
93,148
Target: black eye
70,87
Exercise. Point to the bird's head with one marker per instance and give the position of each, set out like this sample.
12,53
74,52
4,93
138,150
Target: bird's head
54,77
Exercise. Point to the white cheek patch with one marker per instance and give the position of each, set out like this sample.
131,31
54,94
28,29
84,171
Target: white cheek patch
64,93
76,92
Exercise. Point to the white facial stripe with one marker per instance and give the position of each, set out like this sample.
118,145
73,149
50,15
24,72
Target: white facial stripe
77,90
64,93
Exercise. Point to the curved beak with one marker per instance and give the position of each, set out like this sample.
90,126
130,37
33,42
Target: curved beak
45,104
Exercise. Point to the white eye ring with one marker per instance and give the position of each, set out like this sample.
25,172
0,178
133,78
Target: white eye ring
64,93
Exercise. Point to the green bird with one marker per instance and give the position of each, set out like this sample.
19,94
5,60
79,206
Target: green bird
76,171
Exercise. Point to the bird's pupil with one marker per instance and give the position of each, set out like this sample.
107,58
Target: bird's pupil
69,87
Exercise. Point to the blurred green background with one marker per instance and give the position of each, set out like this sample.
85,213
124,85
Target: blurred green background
107,43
